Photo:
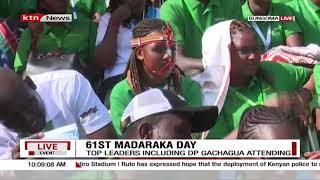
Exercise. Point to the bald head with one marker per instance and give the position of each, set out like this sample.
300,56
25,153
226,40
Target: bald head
21,108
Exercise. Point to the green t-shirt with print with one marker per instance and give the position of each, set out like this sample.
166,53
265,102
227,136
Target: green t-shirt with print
76,37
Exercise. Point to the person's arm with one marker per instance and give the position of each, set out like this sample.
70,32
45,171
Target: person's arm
22,51
15,152
87,107
174,16
106,52
312,155
99,10
119,100
284,77
292,30
294,40
185,63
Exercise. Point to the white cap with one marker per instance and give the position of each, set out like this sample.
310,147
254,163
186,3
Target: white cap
156,101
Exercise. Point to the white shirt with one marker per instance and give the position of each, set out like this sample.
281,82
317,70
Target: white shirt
123,45
68,97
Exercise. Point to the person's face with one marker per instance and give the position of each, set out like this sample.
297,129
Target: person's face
137,7
54,6
170,126
157,58
278,131
245,53
27,112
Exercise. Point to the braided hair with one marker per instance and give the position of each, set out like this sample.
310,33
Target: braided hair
134,70
263,115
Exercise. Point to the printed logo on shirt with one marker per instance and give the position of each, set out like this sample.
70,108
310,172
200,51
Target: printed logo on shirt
88,115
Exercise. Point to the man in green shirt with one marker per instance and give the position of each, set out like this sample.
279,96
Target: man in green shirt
307,14
189,19
272,34
76,37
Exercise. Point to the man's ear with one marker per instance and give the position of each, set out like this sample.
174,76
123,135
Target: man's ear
30,83
145,131
139,53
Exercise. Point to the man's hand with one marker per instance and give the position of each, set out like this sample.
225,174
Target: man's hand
35,28
312,155
96,17
15,152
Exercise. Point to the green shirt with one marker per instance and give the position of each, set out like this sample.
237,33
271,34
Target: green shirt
78,36
89,7
281,1
308,17
190,18
273,78
122,94
14,8
280,30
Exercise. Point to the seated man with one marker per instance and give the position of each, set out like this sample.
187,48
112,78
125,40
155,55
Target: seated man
49,101
160,114
70,37
189,20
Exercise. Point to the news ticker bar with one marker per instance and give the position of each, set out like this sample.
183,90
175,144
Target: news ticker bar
159,165
160,148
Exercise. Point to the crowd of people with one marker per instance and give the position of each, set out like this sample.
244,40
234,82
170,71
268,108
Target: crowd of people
154,69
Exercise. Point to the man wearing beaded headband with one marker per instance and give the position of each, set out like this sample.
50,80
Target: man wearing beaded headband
151,65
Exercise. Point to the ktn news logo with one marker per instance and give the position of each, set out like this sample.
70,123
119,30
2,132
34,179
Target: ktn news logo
46,17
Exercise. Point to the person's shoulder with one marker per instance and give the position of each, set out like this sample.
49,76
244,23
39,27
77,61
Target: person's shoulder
281,7
60,75
293,3
172,7
176,3
121,88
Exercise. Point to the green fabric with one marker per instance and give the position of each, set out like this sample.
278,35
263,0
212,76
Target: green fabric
309,24
281,1
280,30
78,36
190,18
122,94
272,78
89,7
15,7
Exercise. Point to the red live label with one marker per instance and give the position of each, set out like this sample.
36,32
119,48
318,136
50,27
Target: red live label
287,18
47,146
